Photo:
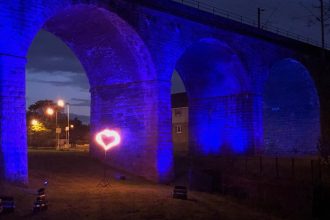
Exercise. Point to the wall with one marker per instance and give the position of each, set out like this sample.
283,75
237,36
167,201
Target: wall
180,139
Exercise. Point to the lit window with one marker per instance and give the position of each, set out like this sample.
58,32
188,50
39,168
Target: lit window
178,129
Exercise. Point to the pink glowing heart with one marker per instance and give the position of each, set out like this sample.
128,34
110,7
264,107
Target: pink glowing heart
107,139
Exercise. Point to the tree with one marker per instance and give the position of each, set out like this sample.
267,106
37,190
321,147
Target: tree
39,124
80,132
42,133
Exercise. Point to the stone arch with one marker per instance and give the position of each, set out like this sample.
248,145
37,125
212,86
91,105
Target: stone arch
225,73
220,104
121,74
291,110
101,40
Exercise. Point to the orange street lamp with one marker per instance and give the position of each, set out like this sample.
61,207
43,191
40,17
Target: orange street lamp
50,111
60,103
34,122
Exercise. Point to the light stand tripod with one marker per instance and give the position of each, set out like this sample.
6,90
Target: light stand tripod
105,181
106,146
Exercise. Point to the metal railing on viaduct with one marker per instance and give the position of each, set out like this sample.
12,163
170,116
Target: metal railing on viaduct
244,20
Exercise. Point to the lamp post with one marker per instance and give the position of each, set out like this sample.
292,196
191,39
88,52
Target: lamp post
57,131
99,138
68,127
34,122
50,112
61,103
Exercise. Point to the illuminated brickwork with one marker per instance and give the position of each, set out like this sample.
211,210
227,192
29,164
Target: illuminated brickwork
129,51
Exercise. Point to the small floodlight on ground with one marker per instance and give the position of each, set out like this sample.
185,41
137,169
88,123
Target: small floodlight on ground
7,204
180,192
41,202
107,139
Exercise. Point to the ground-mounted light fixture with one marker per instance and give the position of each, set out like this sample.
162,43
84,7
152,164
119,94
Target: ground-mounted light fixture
180,192
7,204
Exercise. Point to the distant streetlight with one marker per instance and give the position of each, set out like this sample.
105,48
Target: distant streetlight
68,111
62,103
50,111
34,122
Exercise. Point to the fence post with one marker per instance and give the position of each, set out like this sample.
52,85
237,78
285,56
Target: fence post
276,167
320,170
292,168
312,170
246,165
260,165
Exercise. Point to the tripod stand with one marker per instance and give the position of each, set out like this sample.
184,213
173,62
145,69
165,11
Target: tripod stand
105,181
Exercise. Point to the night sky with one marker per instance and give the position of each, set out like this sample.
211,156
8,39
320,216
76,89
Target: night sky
54,72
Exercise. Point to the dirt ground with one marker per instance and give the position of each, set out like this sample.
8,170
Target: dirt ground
73,193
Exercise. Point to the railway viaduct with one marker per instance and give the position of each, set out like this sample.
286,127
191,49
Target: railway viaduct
250,91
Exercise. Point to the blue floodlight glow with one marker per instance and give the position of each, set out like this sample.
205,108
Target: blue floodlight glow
165,164
291,110
219,130
218,87
129,85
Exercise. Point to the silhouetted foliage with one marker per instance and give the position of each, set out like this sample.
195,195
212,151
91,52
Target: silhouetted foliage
43,133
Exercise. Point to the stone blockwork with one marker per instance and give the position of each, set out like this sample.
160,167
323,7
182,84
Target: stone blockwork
133,110
13,151
222,125
129,50
291,110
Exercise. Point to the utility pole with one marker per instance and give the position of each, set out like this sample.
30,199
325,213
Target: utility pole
259,16
322,24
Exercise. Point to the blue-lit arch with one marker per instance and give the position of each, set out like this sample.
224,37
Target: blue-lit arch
291,110
119,67
218,88
121,73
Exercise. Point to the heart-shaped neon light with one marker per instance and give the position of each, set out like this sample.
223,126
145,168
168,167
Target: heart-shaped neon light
107,134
